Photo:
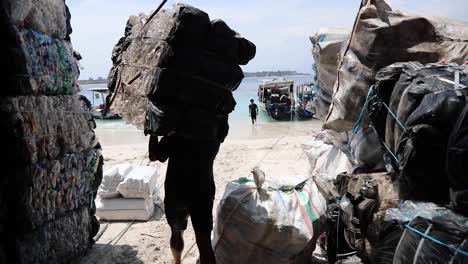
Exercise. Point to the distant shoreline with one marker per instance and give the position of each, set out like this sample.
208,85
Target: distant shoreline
246,74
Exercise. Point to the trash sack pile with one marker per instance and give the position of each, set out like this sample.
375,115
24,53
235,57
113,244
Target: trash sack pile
129,192
262,222
327,45
54,162
380,37
174,67
42,65
395,140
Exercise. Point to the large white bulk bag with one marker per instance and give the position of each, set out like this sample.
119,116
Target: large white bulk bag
141,182
121,209
267,223
111,180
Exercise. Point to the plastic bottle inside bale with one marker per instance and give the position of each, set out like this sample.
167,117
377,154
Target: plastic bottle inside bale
377,27
42,65
255,217
54,161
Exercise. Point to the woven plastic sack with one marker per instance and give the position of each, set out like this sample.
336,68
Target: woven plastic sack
381,37
327,44
255,218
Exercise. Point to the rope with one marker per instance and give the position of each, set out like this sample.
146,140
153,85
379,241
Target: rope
114,241
363,110
435,240
394,156
394,116
271,149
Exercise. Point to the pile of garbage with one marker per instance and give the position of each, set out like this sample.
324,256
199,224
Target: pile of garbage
174,67
391,160
54,162
129,192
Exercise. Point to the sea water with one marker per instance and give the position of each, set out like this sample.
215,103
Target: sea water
239,120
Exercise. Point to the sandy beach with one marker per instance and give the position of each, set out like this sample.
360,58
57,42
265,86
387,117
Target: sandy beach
245,147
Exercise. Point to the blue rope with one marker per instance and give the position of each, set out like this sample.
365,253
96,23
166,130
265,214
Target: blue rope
363,110
437,241
394,116
391,152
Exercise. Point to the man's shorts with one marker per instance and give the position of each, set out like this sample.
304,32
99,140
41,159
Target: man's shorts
189,185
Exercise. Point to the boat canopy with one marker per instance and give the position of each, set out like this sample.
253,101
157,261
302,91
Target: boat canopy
99,89
277,84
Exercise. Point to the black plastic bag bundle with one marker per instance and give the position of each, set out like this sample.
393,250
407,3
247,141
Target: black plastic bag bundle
181,90
456,162
228,44
183,67
432,241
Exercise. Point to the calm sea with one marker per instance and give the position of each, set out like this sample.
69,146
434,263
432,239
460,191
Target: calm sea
246,91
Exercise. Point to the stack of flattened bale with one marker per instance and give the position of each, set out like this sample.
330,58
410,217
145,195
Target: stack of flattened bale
175,72
54,161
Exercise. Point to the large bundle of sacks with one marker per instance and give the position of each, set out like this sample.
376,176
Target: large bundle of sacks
424,129
129,192
381,37
327,45
260,221
175,72
397,131
53,161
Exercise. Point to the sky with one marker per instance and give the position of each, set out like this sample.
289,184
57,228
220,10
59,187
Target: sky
279,28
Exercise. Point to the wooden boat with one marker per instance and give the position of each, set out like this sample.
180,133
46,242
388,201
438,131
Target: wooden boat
275,98
97,110
303,96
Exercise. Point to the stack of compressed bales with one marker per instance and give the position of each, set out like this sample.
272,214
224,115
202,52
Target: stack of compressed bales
54,161
408,119
177,70
327,45
128,193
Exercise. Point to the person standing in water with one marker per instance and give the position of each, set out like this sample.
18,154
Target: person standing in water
253,111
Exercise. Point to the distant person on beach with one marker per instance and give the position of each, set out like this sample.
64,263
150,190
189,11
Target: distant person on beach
253,111
189,187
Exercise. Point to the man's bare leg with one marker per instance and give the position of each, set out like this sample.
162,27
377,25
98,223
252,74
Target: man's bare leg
177,245
207,255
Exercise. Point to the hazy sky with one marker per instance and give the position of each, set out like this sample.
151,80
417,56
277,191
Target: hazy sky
280,29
